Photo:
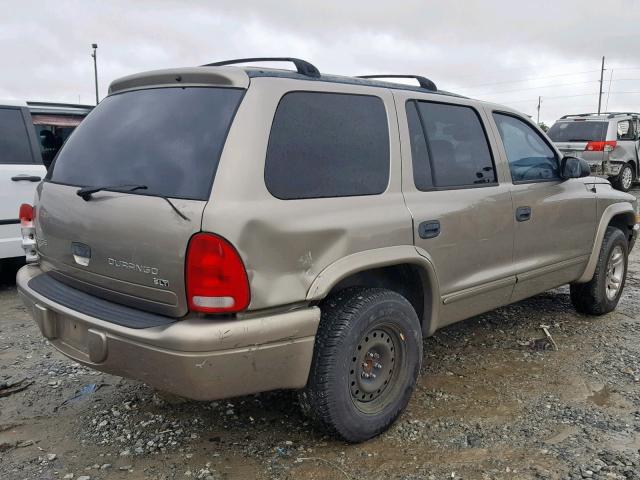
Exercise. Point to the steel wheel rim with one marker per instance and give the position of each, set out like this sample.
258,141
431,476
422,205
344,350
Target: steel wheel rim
615,272
374,374
627,178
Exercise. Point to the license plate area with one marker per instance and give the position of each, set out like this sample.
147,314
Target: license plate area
571,153
73,334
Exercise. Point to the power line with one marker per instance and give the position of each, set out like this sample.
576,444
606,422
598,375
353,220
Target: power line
542,78
542,86
530,78
554,85
566,96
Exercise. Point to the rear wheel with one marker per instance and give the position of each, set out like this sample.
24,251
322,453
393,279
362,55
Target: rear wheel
624,180
366,360
602,293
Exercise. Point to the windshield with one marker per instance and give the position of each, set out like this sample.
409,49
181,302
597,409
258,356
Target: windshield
168,139
578,131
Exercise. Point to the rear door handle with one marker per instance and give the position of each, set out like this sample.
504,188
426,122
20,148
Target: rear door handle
523,214
429,229
26,178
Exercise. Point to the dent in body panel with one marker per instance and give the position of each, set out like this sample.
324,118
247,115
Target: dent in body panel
284,251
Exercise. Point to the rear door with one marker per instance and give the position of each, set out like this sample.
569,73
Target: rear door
20,172
156,152
555,219
460,206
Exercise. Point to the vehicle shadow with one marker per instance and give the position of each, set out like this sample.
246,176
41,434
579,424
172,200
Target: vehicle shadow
8,269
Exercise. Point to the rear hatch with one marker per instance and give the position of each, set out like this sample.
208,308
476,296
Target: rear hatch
573,136
155,151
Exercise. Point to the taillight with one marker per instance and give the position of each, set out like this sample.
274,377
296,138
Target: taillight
216,279
26,214
28,233
607,146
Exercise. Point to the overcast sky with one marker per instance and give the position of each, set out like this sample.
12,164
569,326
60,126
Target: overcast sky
505,51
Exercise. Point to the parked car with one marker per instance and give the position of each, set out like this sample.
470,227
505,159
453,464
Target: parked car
609,142
54,122
25,153
219,231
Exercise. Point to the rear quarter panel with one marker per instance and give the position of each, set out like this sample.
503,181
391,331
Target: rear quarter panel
285,244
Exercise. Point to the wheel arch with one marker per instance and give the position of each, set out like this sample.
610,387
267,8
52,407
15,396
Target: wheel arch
404,269
620,215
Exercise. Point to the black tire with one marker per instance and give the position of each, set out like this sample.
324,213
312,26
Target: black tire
619,182
591,298
377,320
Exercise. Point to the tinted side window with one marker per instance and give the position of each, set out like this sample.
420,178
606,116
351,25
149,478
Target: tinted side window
327,145
530,157
419,152
14,139
450,145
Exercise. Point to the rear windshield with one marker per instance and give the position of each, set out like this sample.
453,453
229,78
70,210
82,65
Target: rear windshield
578,131
168,139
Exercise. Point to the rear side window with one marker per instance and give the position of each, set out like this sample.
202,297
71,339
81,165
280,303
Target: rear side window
530,158
625,130
14,140
168,139
449,147
578,131
327,145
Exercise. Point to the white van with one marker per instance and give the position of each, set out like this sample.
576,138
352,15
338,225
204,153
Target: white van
30,136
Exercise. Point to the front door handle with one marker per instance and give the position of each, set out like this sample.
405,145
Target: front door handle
429,229
523,214
26,178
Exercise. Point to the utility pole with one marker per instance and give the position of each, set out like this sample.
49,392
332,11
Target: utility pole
601,81
95,68
539,101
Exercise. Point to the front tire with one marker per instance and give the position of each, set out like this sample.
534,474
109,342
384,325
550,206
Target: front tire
624,180
602,293
366,360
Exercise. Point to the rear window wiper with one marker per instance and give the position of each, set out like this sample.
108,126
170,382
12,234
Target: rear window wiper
86,192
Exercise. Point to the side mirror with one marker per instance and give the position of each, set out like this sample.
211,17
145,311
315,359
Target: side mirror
572,167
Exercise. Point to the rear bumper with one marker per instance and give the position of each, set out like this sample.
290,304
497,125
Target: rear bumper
196,358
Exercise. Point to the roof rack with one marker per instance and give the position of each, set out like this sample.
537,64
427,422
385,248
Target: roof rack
55,104
423,81
615,114
303,67
602,114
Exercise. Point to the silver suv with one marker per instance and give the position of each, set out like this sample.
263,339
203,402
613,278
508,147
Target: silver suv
219,231
609,142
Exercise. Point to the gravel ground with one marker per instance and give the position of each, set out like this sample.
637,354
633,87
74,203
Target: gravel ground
494,401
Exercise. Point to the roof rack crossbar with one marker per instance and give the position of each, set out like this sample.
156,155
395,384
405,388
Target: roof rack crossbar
302,66
423,81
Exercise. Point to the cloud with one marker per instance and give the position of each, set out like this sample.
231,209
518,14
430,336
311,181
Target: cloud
472,47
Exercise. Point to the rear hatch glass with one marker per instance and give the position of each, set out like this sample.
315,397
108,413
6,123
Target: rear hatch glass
168,139
129,247
581,131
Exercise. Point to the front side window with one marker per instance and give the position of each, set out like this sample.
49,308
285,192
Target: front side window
449,147
14,139
530,157
327,145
